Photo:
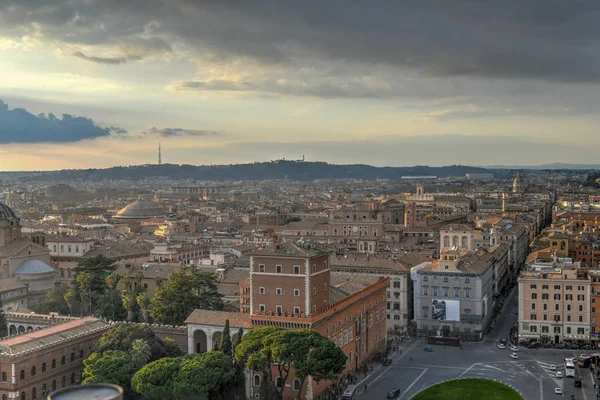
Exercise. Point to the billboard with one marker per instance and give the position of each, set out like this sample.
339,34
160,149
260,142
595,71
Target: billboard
445,310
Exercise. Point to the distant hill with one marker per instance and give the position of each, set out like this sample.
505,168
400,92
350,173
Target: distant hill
547,166
292,170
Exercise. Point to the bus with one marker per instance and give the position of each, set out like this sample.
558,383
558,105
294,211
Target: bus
350,393
443,341
587,360
570,367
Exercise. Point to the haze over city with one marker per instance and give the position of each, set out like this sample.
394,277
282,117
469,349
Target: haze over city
385,83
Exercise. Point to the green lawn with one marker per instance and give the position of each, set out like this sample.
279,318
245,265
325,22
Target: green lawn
469,389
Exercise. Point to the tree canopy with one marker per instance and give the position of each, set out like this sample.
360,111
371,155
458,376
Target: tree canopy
112,366
185,291
122,337
226,346
53,301
155,380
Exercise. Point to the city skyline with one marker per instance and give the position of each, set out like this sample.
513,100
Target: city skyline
390,84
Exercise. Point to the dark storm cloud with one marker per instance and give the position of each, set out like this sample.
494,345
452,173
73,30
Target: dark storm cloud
552,40
20,126
170,132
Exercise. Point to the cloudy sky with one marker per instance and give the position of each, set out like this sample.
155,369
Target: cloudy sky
96,83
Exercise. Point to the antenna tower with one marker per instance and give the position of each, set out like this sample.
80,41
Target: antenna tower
159,155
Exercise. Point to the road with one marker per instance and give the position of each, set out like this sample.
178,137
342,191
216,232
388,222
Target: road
532,374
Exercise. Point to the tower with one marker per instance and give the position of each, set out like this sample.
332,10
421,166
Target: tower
159,155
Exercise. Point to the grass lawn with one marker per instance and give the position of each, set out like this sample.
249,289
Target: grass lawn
469,389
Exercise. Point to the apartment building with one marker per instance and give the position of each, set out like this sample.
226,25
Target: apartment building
555,297
455,295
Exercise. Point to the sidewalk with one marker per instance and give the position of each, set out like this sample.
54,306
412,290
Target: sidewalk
379,370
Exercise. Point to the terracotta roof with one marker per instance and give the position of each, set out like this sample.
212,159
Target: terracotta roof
365,261
352,283
51,335
14,247
218,318
286,249
10,284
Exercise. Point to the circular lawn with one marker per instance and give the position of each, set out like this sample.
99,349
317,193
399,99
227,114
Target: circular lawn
469,389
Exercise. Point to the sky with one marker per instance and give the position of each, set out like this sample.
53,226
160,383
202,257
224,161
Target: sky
98,83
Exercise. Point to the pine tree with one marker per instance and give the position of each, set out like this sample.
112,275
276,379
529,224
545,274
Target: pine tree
237,338
226,346
3,324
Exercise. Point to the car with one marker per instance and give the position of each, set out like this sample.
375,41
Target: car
514,355
548,345
428,348
513,348
558,374
387,362
501,346
394,393
553,367
560,346
557,390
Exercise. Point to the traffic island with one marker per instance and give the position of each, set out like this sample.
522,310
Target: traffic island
469,389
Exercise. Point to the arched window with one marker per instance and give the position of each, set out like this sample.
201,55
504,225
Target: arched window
297,385
43,367
455,241
446,241
73,378
464,242
4,377
44,391
33,371
80,353
256,380
4,397
53,363
22,375
22,395
63,360
278,382
72,357
64,381
34,393
54,385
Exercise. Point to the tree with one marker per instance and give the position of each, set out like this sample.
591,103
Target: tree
84,280
237,338
316,356
3,324
53,301
185,291
98,268
143,300
69,297
155,380
122,337
129,303
255,350
208,375
111,367
110,305
140,353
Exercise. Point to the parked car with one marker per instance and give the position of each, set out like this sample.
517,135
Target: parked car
394,393
514,355
428,348
574,347
548,345
560,346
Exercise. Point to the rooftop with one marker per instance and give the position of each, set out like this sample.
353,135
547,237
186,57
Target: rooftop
287,249
218,318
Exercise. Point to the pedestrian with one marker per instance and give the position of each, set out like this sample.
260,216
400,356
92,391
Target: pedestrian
410,358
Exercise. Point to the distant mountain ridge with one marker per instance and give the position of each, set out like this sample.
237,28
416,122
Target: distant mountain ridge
546,166
292,170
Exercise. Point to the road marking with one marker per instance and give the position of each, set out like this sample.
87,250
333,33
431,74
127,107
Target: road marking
541,389
436,366
414,382
468,369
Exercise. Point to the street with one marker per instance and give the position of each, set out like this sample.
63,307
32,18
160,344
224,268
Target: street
531,374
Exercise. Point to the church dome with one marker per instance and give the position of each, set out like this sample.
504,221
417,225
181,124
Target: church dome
141,209
33,267
6,214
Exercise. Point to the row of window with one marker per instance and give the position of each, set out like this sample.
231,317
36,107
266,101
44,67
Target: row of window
446,278
295,384
446,292
63,361
533,328
580,297
557,307
279,291
62,249
533,317
296,268
557,287
45,391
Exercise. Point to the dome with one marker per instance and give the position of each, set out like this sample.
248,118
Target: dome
6,214
33,267
141,209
